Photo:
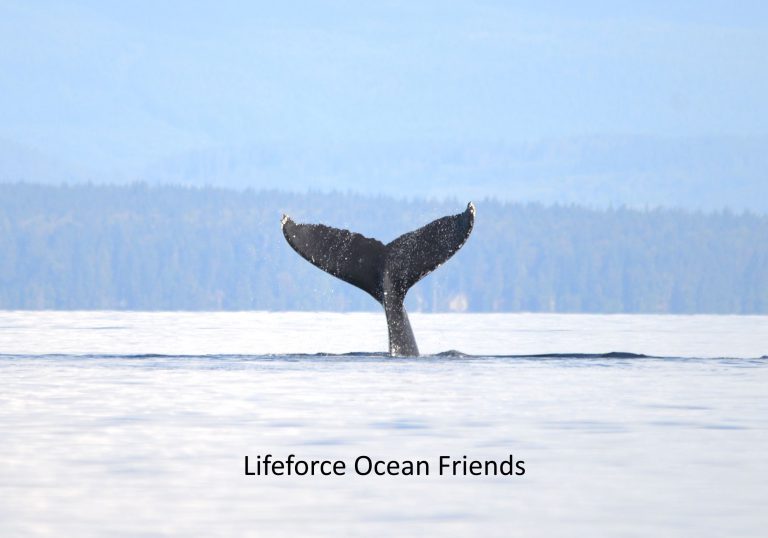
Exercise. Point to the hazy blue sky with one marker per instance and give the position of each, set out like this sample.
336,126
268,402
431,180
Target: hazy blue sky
117,86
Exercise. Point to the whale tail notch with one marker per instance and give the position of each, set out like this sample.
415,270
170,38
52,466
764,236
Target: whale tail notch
386,272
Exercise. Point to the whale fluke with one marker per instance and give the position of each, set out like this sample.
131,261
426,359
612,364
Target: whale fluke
386,272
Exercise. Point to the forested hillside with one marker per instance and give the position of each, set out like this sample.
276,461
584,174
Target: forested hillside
153,248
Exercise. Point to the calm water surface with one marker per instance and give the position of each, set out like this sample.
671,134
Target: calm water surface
138,423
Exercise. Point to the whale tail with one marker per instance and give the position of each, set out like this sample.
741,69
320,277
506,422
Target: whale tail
386,272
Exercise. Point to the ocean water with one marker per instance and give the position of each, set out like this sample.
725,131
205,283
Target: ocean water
138,424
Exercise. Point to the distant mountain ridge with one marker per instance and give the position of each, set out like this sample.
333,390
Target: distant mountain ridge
696,174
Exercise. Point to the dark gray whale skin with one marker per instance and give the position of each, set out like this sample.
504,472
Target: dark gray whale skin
386,272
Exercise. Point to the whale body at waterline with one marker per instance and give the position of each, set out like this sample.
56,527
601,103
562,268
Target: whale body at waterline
386,272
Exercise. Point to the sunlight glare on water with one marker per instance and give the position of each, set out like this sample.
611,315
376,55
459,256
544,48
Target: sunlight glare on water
138,424
262,333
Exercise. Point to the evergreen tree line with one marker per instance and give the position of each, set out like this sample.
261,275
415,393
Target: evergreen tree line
177,248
